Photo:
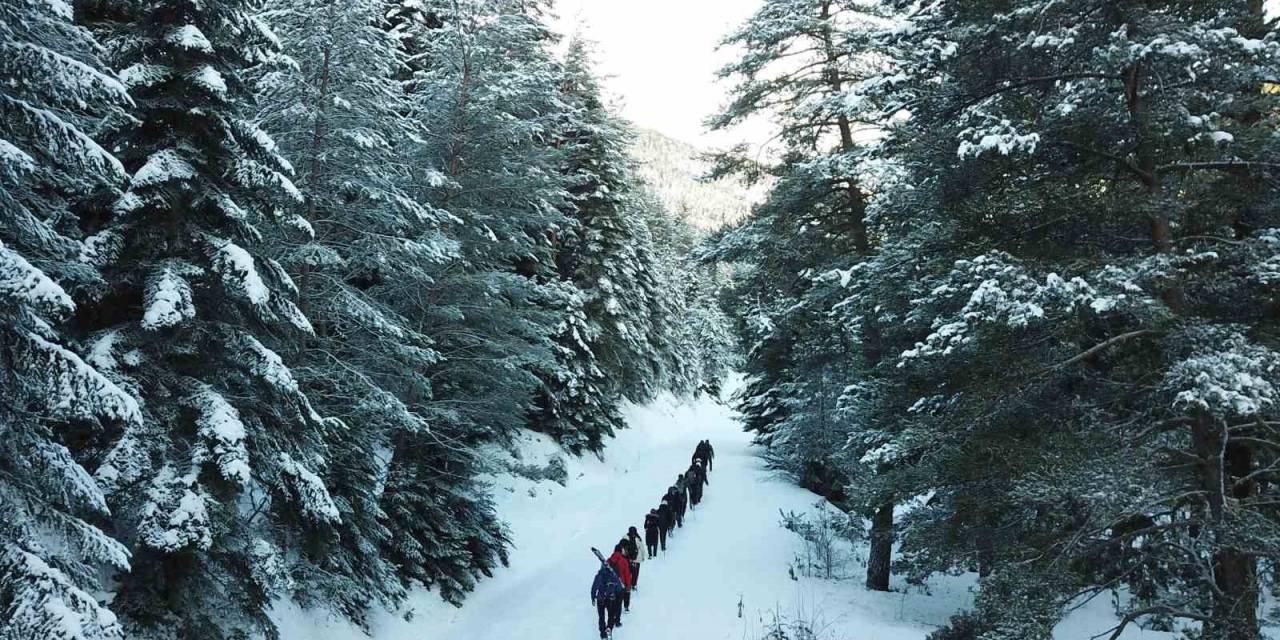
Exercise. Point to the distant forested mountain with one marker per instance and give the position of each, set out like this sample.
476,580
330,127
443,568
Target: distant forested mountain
673,169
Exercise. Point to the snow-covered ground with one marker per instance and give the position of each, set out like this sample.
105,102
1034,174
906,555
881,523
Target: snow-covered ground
731,550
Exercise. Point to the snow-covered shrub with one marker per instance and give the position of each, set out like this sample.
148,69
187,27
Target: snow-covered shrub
799,622
554,470
827,537
963,626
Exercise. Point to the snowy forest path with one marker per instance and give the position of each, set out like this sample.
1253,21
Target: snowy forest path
732,546
691,590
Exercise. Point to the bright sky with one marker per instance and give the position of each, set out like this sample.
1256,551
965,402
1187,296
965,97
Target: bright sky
660,59
660,56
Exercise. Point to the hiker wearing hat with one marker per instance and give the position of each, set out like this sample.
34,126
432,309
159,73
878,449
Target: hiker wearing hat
634,552
665,522
651,525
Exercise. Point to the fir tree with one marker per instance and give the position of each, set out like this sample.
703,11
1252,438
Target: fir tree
698,344
804,58
333,103
224,473
1095,196
485,93
610,346
52,399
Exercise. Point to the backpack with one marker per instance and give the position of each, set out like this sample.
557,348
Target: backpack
607,585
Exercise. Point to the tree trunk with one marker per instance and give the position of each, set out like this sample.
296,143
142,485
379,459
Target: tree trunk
857,201
319,133
1235,610
460,127
1235,573
1256,27
986,553
878,563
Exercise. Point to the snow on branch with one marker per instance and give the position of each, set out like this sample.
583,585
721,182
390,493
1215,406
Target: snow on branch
309,490
24,285
43,602
1001,138
239,272
220,426
1234,378
175,516
168,300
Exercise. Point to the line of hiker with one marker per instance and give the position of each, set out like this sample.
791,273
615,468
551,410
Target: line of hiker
617,578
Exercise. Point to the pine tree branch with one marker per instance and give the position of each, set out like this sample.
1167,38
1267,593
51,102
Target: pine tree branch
1210,239
1124,337
1027,82
1272,424
1117,630
1220,165
1125,163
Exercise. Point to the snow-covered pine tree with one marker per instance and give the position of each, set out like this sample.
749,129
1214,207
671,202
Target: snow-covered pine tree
223,474
800,59
52,401
335,106
609,347
798,359
697,334
1096,373
485,91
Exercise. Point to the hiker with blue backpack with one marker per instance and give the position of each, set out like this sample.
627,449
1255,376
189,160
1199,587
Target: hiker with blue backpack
606,595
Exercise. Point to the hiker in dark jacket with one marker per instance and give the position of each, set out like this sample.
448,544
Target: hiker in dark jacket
705,453
671,524
606,595
664,522
635,552
677,506
696,478
686,490
652,523
671,514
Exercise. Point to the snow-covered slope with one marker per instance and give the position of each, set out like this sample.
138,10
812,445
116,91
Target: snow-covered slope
732,549
674,170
